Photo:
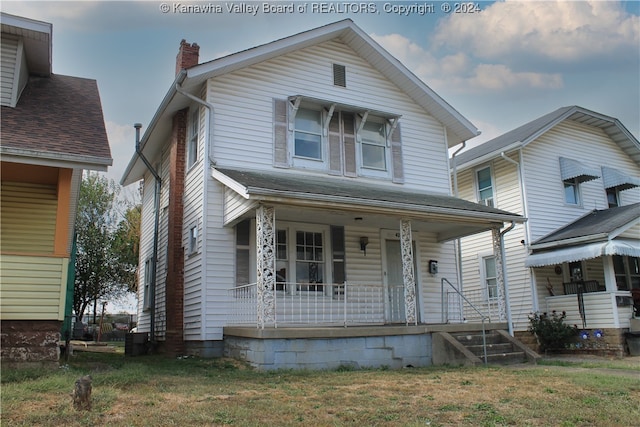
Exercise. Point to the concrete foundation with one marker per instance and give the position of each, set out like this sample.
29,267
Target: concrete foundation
30,342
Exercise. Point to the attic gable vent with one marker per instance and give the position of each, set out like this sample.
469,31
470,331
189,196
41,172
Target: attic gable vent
339,75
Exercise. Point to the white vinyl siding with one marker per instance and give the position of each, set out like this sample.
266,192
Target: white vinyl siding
547,208
14,73
193,217
244,103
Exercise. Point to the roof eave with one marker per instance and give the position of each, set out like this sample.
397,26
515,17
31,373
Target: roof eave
63,160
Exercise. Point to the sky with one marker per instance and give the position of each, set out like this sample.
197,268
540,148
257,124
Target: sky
500,64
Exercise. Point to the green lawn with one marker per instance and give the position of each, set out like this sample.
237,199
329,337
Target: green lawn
155,391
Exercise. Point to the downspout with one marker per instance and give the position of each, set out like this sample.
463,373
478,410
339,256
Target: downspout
455,194
525,213
505,282
156,226
207,162
209,107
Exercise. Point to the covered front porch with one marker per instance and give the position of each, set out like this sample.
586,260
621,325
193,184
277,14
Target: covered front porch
323,251
332,271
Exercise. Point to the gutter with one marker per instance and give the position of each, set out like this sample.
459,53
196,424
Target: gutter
156,226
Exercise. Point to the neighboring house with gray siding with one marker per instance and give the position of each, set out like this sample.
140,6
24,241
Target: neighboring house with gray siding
575,175
301,187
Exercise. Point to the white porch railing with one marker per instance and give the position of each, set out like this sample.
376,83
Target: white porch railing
311,304
599,309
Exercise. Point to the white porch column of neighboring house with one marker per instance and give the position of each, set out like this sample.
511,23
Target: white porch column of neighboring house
609,274
408,275
498,254
266,264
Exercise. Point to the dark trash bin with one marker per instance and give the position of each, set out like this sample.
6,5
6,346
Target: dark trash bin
135,344
633,342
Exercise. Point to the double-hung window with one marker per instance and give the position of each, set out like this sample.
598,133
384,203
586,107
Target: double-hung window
309,260
490,276
308,134
146,303
627,272
571,191
192,145
484,186
373,138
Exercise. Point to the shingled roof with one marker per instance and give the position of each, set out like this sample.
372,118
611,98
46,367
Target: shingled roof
597,224
58,118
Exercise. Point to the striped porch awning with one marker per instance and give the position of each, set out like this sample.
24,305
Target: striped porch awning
624,247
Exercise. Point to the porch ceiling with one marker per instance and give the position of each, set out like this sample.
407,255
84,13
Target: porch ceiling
339,201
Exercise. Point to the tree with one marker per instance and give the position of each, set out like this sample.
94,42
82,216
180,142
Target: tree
103,269
126,244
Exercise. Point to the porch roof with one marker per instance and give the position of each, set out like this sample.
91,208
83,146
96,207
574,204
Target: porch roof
456,217
597,225
625,247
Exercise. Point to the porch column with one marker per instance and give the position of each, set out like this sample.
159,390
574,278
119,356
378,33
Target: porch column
266,264
408,275
497,253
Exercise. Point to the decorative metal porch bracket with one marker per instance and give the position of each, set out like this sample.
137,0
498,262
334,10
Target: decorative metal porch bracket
266,268
497,252
408,275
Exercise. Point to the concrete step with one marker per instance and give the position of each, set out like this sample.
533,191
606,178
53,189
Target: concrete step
500,348
509,358
476,338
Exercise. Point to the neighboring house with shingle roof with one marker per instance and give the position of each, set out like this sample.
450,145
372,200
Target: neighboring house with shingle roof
293,175
575,175
52,130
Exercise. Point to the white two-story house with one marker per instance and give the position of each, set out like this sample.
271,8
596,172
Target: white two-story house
297,203
575,175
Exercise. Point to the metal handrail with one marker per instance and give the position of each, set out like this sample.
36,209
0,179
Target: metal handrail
482,315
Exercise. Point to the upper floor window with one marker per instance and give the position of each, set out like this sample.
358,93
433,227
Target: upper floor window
192,143
485,186
613,198
571,192
573,173
339,139
308,134
373,138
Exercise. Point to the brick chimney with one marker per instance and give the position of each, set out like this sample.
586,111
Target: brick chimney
188,56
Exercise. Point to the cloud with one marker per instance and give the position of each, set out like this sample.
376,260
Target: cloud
551,31
458,72
122,143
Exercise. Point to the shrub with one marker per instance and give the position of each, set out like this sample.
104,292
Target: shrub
551,331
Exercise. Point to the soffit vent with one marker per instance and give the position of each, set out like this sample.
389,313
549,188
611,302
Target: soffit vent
339,75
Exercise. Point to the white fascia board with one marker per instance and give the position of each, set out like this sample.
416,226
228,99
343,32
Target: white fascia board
381,206
231,183
615,233
489,156
573,241
59,160
26,23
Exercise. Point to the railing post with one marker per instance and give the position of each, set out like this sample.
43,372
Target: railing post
344,303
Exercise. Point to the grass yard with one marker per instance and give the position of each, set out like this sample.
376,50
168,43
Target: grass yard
155,391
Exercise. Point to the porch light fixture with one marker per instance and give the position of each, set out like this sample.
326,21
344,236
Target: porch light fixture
364,241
